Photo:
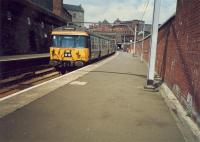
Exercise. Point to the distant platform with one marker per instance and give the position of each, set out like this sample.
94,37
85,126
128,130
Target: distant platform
23,57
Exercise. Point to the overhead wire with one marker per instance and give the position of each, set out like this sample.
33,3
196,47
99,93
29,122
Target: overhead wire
145,9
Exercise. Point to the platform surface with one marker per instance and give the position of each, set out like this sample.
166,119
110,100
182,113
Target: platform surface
105,104
22,57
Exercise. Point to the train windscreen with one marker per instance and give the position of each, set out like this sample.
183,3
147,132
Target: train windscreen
69,41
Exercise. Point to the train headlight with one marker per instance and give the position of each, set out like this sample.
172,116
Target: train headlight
68,54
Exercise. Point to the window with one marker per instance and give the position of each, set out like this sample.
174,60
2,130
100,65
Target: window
69,41
29,20
45,35
92,42
42,25
9,16
74,15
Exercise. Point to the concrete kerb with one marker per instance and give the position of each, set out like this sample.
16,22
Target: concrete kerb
185,122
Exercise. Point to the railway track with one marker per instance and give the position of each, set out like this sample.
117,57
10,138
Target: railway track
17,83
20,72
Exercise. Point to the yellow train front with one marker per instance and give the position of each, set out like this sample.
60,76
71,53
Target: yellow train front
72,48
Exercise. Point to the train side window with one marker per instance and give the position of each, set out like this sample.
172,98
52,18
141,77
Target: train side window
88,42
92,42
101,44
107,44
95,39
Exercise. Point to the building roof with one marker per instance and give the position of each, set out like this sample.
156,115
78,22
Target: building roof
105,22
39,8
117,21
73,7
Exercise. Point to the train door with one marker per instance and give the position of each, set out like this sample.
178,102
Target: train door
89,46
93,46
100,47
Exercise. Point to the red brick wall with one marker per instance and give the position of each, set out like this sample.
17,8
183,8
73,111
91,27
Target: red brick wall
32,37
57,7
59,10
178,55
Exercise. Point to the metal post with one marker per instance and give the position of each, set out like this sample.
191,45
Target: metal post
154,36
135,37
142,43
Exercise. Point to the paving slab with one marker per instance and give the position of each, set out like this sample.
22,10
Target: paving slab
108,104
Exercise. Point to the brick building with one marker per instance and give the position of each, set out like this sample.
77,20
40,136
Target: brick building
148,28
104,26
26,26
130,25
178,55
59,10
77,13
55,6
124,30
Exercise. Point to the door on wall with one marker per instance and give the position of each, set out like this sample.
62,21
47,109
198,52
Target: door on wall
32,41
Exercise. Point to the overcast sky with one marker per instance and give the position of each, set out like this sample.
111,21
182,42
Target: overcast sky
98,10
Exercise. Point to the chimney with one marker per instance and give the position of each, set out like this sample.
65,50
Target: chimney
57,7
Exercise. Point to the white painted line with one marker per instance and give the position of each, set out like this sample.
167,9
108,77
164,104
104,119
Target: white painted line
25,90
68,74
78,83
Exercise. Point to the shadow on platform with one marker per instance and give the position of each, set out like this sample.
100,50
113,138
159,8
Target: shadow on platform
120,73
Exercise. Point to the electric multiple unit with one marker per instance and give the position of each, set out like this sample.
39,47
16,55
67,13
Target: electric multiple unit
76,48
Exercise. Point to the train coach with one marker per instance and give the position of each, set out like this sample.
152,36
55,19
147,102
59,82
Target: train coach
76,48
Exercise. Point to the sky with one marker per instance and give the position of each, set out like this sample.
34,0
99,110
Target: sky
98,10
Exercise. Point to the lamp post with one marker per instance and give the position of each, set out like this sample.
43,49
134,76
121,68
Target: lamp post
141,58
135,38
154,38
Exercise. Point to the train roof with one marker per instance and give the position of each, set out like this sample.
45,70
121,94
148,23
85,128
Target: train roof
76,31
82,33
69,31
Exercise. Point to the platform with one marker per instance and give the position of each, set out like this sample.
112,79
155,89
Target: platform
23,57
103,102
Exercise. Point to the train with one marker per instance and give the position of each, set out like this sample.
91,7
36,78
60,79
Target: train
73,47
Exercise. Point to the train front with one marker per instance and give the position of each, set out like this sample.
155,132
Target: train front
69,49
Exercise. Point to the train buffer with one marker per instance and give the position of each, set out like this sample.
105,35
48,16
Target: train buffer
104,101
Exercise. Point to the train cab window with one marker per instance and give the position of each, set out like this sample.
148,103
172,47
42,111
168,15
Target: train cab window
80,41
56,41
67,41
70,41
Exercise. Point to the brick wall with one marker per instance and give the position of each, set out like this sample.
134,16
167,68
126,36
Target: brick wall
57,6
60,11
178,55
25,28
